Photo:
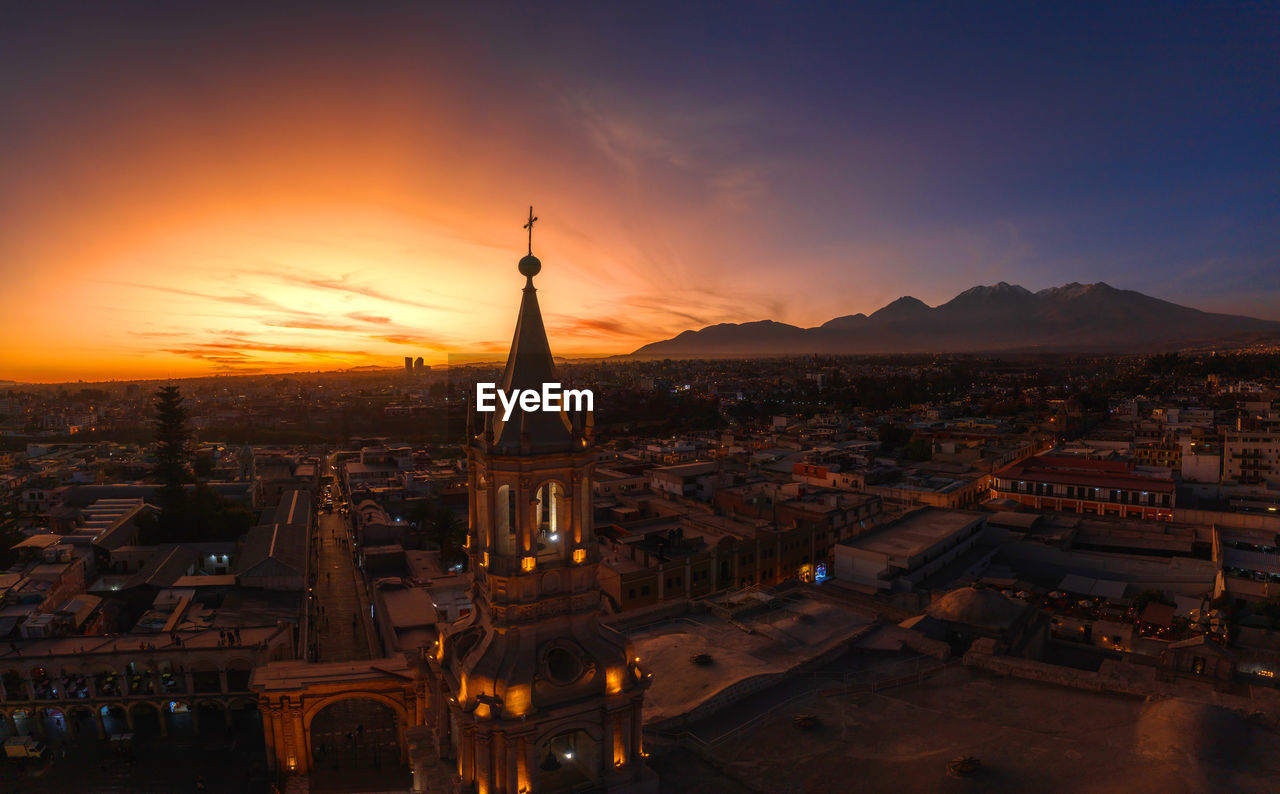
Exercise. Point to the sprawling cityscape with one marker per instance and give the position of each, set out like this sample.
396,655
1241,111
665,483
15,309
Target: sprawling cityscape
282,510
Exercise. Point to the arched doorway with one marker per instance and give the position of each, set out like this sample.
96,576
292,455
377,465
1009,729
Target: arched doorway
567,760
81,722
180,716
24,722
210,718
115,720
355,733
53,721
146,719
246,720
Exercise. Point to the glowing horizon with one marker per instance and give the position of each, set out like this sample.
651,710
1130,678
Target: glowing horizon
188,192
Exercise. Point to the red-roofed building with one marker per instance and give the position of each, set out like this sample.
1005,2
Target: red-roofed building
1070,484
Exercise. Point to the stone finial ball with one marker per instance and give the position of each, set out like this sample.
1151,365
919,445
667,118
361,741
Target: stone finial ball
530,265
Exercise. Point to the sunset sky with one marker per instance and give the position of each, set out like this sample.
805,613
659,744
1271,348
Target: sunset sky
315,186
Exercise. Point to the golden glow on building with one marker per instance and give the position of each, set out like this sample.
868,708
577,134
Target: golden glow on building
619,745
528,562
517,700
579,556
613,680
522,769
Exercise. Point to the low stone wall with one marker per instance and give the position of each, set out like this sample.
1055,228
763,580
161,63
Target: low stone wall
924,645
657,613
1127,679
1054,674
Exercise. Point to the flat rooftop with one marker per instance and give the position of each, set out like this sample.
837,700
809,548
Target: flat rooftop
914,533
294,675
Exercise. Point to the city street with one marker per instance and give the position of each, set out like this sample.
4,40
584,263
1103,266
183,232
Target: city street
341,625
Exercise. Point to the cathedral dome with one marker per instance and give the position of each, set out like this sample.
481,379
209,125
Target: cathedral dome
977,607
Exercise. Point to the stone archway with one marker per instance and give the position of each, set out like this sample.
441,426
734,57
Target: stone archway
54,723
293,695
180,717
245,720
568,757
115,719
23,721
356,730
210,717
82,722
147,719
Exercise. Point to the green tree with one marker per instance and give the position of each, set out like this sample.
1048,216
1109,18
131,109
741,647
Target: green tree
209,516
918,449
450,535
438,526
173,452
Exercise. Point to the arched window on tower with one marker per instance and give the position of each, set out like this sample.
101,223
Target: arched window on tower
504,526
552,520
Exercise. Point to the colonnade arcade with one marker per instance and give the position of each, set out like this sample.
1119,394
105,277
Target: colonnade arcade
164,717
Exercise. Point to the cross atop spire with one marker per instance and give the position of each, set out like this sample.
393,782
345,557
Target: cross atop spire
529,226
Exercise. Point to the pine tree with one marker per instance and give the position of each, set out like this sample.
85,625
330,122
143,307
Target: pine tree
172,457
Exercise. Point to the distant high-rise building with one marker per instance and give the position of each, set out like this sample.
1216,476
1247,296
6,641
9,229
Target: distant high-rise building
408,363
419,365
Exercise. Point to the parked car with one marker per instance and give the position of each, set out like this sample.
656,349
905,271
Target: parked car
23,747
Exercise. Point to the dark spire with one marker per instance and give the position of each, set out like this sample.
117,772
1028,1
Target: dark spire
529,365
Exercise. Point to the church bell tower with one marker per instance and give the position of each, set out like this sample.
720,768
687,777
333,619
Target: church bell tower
531,692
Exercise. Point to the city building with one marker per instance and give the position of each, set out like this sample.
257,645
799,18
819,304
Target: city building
1078,484
1251,457
899,555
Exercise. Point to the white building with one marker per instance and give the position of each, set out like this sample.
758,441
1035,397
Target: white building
899,555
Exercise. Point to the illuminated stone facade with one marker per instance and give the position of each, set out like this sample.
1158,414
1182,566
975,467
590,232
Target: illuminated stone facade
531,693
